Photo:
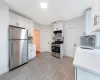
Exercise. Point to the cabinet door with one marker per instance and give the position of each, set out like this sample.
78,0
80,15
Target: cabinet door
96,7
55,27
29,53
31,29
13,19
21,21
53,34
60,26
96,15
84,75
27,24
34,51
88,29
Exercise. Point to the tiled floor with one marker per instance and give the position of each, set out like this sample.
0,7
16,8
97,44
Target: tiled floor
44,67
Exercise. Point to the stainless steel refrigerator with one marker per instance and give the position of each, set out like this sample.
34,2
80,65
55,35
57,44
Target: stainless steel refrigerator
18,46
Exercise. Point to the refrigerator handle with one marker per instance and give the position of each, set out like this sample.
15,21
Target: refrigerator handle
11,47
10,33
10,53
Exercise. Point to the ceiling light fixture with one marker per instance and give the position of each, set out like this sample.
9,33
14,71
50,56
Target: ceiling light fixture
43,5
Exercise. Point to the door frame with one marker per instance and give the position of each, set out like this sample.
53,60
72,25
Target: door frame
37,50
66,29
49,42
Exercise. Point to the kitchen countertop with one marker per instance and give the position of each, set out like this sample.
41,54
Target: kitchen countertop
88,60
31,45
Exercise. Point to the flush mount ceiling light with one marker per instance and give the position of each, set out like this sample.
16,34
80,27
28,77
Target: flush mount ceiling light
43,5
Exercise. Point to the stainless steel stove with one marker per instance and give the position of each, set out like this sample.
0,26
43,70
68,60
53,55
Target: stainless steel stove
56,50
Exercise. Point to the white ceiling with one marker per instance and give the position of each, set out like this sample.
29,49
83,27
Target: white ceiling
57,9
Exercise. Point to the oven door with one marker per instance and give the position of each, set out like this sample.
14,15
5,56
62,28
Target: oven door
56,49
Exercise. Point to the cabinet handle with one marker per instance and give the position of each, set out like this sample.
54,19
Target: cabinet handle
96,20
16,24
75,71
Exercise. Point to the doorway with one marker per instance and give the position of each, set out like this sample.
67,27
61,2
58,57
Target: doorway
46,39
37,40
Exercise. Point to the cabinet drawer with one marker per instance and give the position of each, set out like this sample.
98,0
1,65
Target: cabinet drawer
84,75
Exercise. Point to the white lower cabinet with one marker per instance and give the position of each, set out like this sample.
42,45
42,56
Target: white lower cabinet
81,74
31,52
34,51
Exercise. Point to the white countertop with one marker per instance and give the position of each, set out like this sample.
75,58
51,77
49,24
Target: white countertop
31,44
88,60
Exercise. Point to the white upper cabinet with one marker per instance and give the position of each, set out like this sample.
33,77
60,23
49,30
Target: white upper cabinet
58,26
96,15
13,19
31,28
55,27
21,21
27,23
16,20
88,24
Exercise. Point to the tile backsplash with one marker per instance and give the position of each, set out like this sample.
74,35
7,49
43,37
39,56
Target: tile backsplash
58,35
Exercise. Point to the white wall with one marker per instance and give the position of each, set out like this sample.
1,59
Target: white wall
4,22
37,26
44,38
74,23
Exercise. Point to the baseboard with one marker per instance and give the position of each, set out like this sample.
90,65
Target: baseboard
4,71
70,56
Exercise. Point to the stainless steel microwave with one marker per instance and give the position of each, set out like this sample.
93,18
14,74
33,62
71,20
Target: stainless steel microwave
88,41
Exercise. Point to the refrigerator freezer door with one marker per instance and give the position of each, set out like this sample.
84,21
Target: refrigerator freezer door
17,33
18,53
